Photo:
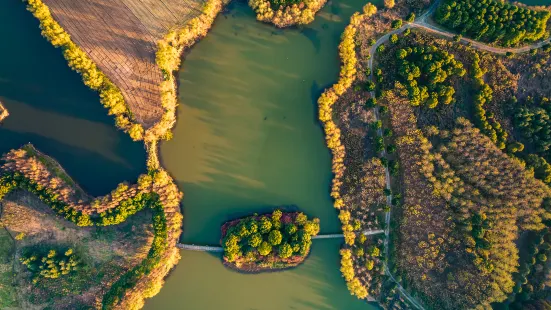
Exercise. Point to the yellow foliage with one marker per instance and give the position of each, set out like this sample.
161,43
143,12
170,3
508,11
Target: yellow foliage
111,97
169,50
296,14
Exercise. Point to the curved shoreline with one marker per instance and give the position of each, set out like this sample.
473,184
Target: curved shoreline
156,193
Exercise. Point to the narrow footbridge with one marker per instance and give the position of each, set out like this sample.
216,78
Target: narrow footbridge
208,248
202,248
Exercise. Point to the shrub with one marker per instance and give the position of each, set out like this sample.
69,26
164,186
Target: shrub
51,265
396,24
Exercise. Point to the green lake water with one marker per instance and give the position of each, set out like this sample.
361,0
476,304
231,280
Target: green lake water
536,2
248,140
50,107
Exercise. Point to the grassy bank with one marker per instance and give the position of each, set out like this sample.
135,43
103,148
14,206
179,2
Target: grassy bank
155,192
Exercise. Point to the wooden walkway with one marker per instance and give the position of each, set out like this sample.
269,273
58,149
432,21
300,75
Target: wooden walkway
121,36
208,248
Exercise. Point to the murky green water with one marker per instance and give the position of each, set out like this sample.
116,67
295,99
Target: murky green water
248,140
536,2
50,107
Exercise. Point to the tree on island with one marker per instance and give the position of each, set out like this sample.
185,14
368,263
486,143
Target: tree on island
269,238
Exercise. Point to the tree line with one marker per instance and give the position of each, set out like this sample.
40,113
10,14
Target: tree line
493,21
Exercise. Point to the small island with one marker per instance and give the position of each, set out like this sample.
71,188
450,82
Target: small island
268,242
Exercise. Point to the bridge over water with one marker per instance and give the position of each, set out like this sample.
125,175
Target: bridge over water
208,248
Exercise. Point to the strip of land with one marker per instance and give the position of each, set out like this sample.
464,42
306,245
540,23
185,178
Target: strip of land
121,38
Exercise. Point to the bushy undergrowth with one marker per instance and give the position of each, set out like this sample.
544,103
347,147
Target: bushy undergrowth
51,265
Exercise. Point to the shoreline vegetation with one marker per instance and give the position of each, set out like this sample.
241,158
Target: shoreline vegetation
286,13
268,242
25,169
3,112
358,186
29,169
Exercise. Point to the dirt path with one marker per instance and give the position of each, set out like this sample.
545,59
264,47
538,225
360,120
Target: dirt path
423,22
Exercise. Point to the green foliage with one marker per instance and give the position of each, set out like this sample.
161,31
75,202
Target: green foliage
369,264
396,24
486,122
373,251
394,39
425,71
515,147
274,237
110,96
51,265
253,238
542,169
11,181
493,21
265,225
152,260
380,48
410,18
265,248
285,250
276,4
369,86
535,125
370,103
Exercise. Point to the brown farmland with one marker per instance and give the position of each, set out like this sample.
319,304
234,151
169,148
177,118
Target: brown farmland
121,36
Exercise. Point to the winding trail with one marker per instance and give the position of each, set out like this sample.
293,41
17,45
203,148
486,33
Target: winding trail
423,22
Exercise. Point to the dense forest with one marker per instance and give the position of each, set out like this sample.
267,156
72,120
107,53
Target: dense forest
425,71
469,189
493,21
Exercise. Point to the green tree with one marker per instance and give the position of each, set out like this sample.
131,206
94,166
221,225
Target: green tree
396,24
264,248
285,250
290,229
265,225
369,264
255,240
369,86
274,237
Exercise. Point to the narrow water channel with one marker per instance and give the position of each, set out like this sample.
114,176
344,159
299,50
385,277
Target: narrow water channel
50,107
248,140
